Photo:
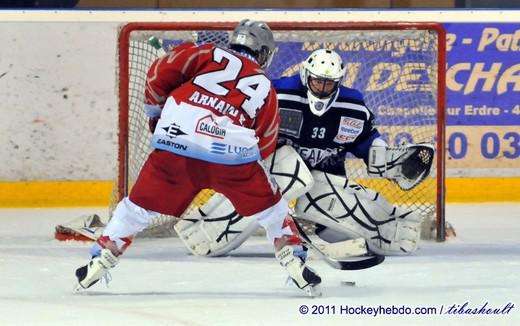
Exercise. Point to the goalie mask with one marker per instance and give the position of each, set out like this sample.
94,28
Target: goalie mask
322,74
257,37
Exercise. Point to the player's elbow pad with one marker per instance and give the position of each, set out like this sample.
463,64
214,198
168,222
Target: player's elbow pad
152,110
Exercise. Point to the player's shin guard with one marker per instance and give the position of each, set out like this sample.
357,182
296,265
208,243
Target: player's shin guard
117,246
291,254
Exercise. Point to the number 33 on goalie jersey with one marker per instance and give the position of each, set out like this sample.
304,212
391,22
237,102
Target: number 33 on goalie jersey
217,105
323,141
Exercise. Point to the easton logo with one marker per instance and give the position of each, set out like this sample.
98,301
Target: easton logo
209,127
172,144
174,130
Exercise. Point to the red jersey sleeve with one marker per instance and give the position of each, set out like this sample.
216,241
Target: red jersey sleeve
267,124
173,69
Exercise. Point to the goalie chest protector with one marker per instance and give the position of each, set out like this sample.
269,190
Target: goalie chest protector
323,141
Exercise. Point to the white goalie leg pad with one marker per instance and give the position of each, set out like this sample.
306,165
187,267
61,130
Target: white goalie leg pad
290,172
355,211
127,220
215,228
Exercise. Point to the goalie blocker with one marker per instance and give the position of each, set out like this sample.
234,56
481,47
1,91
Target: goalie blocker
341,209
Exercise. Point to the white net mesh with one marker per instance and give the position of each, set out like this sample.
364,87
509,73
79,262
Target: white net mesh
396,70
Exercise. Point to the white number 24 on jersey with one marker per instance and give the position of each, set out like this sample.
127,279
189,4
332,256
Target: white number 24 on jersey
255,88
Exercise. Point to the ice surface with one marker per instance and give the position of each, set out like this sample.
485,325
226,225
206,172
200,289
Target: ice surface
158,283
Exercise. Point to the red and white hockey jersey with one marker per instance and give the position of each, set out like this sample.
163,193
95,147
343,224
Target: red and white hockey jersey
217,105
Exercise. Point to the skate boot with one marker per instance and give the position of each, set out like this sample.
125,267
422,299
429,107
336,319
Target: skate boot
302,276
96,269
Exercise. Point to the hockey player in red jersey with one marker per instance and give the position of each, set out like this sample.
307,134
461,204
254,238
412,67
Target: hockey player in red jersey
214,117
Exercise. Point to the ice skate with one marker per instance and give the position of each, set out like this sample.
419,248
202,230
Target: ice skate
302,276
95,270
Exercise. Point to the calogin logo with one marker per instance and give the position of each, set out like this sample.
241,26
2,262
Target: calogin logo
209,127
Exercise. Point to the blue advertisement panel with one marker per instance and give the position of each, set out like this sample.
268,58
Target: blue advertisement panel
483,95
483,77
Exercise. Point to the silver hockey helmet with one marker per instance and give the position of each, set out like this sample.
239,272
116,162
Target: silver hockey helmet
322,73
257,37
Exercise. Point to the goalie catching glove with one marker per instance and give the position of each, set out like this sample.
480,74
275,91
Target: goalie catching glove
407,165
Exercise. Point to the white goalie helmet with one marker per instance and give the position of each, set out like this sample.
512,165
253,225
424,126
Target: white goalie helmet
257,37
322,73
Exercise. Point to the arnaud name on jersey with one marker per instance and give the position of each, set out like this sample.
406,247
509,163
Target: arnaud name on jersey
217,104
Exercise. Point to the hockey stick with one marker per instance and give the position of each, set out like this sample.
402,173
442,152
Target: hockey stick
356,263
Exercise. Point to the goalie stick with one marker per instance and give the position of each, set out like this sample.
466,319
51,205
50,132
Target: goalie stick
354,263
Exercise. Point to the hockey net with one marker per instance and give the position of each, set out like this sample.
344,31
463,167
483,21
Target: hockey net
399,67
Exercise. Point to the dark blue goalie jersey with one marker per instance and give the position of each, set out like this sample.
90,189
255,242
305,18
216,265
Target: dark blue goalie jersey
323,141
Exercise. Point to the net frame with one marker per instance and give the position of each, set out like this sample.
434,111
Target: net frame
122,187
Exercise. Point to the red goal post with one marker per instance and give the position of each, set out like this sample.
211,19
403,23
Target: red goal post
398,66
